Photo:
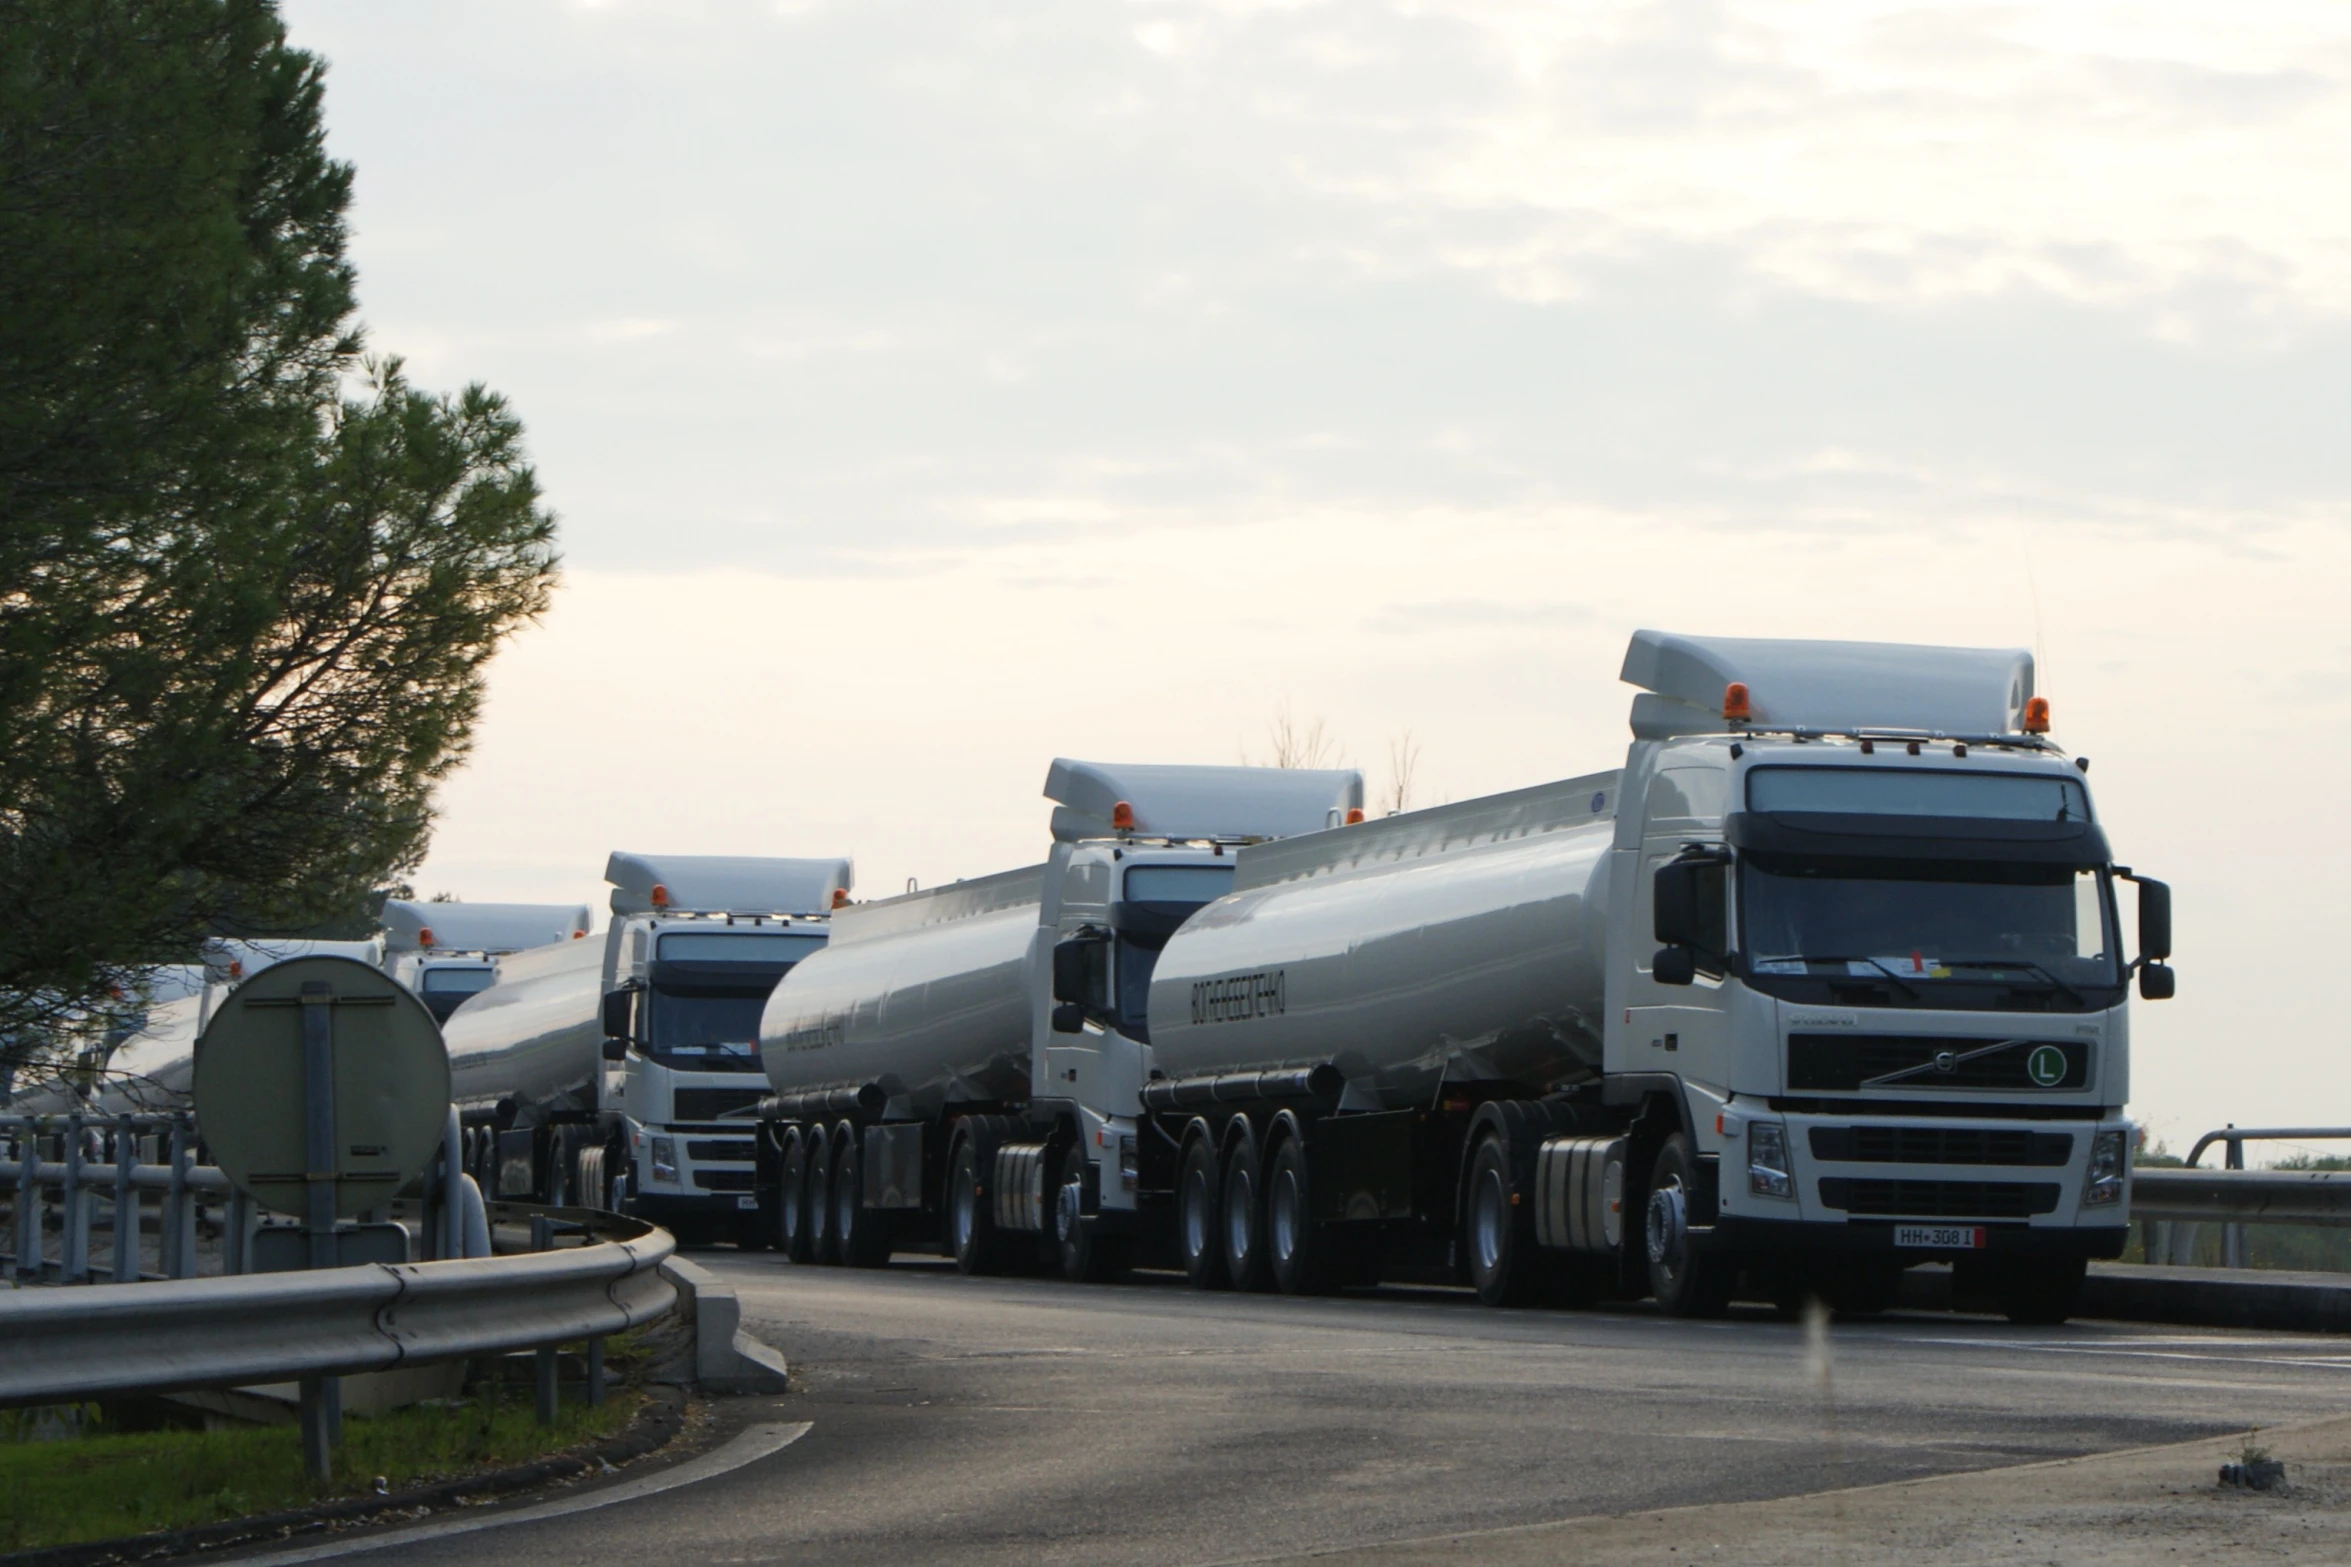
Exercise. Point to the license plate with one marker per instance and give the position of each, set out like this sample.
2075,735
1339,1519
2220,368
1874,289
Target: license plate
753,1202
1941,1237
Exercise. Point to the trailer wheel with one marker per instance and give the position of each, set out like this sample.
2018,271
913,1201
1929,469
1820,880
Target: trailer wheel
2042,1295
1197,1232
1298,1249
1502,1265
1243,1210
971,1229
822,1249
1086,1255
792,1231
860,1239
1686,1281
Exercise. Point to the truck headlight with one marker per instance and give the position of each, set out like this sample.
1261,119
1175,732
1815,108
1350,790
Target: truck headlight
665,1159
1767,1160
2107,1167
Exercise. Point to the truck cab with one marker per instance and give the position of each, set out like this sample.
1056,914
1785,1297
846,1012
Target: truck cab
1137,850
694,950
1878,969
446,952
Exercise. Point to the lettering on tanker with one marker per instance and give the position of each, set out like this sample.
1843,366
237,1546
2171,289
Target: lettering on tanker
1237,996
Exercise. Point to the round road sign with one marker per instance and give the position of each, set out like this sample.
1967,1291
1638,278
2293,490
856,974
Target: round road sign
389,1079
2046,1065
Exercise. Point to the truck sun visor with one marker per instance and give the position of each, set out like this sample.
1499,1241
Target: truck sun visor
715,884
1198,802
1825,685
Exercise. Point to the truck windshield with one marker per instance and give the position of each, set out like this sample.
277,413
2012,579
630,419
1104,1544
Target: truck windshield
444,989
1158,898
1913,922
705,1026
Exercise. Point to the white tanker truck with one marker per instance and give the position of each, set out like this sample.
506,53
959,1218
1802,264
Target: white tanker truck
922,1094
1826,981
623,1073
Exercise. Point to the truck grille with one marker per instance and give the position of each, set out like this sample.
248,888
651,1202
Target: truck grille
737,1149
736,1180
1843,1062
1940,1145
708,1104
1940,1199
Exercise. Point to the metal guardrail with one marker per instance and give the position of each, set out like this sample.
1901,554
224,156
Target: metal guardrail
2243,1196
2177,1201
58,1345
95,1172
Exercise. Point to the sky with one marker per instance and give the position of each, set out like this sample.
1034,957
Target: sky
927,391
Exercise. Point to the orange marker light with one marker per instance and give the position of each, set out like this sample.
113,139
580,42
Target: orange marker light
2036,715
840,897
1354,814
578,935
660,896
1735,705
424,936
1122,817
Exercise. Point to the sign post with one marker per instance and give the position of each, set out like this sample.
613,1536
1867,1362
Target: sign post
370,1096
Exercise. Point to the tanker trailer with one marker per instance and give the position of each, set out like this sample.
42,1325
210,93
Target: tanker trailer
1824,983
963,1068
915,1015
624,1073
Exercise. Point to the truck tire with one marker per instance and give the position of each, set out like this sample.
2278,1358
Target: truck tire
1298,1250
821,1249
1085,1254
1503,1266
1685,1281
971,1229
2040,1294
1241,1205
1198,1233
861,1238
792,1229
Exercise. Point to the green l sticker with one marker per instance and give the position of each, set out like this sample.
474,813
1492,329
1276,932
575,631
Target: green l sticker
2046,1066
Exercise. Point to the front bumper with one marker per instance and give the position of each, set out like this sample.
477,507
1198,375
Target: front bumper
1875,1238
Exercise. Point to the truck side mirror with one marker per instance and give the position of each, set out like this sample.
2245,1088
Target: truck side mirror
2154,920
1676,913
619,1013
2156,982
1069,1017
1072,976
1674,966
616,1049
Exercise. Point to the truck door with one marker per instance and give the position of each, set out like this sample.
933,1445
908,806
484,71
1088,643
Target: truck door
1682,1029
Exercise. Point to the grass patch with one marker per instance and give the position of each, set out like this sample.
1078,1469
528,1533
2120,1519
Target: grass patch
102,1486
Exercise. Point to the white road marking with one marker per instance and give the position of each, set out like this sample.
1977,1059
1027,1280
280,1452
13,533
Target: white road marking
748,1446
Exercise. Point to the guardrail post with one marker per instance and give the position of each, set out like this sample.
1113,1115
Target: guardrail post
596,1371
126,1201
322,1424
2232,1236
28,1203
322,1397
452,1189
177,1242
232,1240
543,1239
73,1246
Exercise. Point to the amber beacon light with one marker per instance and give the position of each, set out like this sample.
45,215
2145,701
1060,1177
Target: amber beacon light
1735,706
660,898
2036,715
1122,817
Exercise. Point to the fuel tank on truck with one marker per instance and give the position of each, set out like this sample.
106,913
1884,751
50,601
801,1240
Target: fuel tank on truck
923,994
1460,943
537,1035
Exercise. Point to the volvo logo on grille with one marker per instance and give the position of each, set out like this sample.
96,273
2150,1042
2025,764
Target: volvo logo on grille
1946,1061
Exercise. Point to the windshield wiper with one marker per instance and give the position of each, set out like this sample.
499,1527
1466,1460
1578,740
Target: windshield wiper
2026,964
1908,989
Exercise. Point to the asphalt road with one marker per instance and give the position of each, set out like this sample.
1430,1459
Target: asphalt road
989,1420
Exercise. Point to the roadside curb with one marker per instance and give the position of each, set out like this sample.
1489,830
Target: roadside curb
654,1427
2219,1297
727,1359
